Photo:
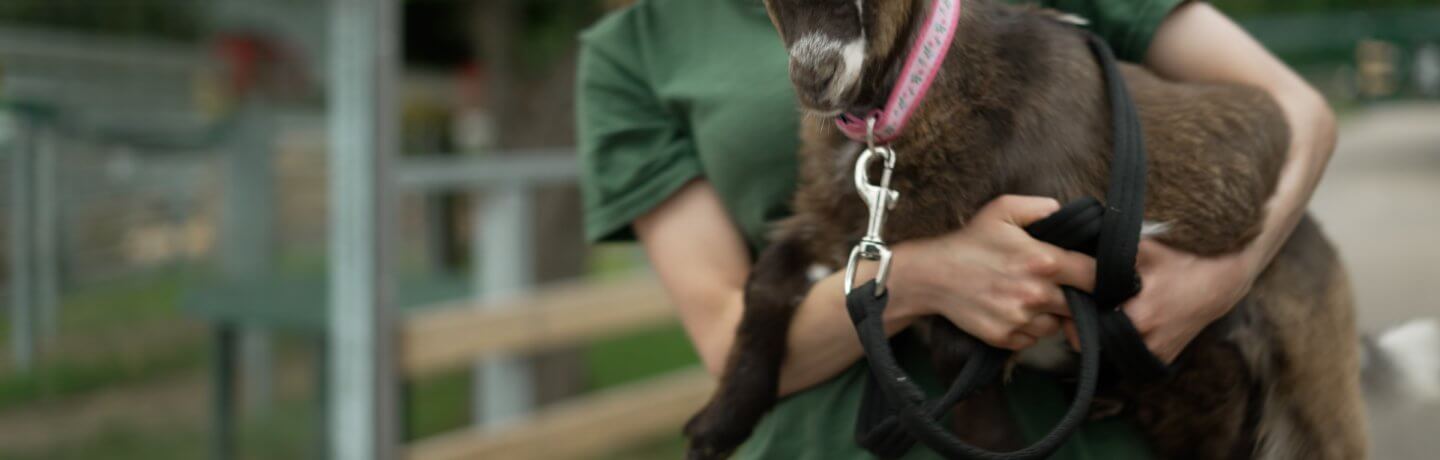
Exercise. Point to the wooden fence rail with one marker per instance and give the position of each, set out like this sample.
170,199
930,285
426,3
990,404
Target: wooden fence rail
585,427
438,339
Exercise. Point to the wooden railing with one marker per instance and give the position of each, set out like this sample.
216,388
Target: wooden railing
569,314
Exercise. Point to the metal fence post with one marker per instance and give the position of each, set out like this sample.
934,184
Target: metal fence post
22,241
248,239
46,227
363,140
502,258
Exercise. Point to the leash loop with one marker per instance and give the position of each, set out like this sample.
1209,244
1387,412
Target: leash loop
879,199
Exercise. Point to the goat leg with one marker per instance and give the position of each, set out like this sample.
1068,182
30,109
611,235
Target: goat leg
750,384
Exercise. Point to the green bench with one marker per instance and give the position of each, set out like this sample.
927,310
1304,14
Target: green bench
296,305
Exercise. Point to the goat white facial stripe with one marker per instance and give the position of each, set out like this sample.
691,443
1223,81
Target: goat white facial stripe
816,46
853,55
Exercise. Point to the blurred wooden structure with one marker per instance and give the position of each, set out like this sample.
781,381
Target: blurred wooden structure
585,427
438,339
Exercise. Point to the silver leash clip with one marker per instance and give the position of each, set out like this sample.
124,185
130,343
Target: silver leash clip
879,199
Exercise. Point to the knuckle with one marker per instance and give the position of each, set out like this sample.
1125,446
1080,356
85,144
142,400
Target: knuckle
1038,263
995,292
1033,294
1016,314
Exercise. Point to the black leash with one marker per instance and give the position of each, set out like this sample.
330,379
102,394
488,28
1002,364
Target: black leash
894,412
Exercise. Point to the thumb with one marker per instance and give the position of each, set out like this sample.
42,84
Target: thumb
1020,210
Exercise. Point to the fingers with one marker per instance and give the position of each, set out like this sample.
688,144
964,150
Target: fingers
1061,267
1029,256
1057,267
1041,326
1018,341
1075,270
1019,210
1018,335
996,330
1030,333
1026,297
1072,335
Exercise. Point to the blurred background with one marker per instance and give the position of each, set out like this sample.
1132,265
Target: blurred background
164,198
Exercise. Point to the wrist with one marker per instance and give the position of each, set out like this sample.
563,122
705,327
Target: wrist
902,307
1237,272
899,313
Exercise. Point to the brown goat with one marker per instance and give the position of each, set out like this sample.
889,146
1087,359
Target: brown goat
1019,108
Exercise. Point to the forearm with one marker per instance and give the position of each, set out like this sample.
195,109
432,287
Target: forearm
1198,43
707,283
990,279
1311,144
822,342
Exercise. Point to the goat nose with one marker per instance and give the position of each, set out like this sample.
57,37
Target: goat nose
813,78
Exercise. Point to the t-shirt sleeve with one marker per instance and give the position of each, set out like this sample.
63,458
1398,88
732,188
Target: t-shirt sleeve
1127,25
634,152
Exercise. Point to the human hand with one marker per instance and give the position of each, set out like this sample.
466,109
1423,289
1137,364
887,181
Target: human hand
1183,293
991,278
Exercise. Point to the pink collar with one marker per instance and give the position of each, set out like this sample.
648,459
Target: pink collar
926,56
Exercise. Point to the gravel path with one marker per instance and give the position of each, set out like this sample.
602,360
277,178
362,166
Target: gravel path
1380,202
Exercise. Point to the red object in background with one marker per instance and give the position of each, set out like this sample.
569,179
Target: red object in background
472,84
254,62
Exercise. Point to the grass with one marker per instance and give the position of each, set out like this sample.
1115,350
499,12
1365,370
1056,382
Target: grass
151,297
82,362
61,380
287,431
619,360
438,404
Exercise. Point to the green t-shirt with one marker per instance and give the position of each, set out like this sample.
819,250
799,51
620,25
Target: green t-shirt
673,90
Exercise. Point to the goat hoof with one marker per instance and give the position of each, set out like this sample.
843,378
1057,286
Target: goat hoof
712,435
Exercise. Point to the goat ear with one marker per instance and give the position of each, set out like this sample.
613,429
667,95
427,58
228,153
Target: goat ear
772,11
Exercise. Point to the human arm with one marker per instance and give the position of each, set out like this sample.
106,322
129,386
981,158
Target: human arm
991,278
1183,293
703,263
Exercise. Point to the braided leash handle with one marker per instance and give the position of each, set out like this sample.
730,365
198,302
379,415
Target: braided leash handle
920,418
